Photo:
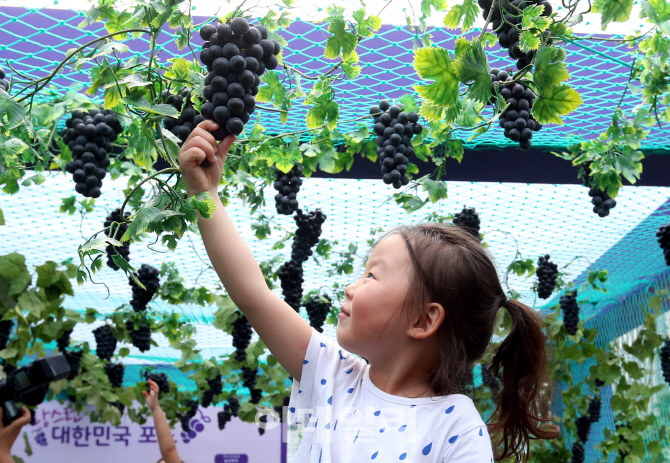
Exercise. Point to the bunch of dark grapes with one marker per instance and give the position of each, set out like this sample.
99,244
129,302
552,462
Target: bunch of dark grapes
291,278
577,453
287,186
395,129
186,417
249,381
665,360
488,379
74,360
594,410
317,310
623,454
3,83
115,373
223,417
506,23
105,342
229,410
140,337
280,408
547,273
188,119
307,234
570,310
216,384
599,382
64,341
241,337
469,220
89,137
160,379
663,235
124,249
602,203
207,397
5,330
583,428
236,55
262,419
148,276
516,119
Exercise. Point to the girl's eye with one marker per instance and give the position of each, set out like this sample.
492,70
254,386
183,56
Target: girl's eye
370,275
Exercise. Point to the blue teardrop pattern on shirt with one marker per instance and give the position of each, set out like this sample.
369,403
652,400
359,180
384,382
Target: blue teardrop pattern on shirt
328,426
412,406
355,438
378,412
480,432
402,428
342,357
323,381
335,427
317,422
305,362
349,370
426,450
330,400
292,409
382,429
403,456
452,439
449,410
374,455
323,345
320,453
299,391
350,390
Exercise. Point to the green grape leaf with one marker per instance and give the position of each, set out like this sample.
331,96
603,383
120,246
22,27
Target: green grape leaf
13,110
366,26
431,112
439,5
467,9
349,66
473,69
436,190
273,90
658,11
612,11
528,41
557,29
453,113
555,102
2,218
530,15
143,105
341,41
327,158
434,63
325,110
409,102
550,69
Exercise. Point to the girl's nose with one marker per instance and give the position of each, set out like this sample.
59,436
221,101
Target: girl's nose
349,291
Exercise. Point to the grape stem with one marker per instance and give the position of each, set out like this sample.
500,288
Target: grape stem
272,109
48,78
129,195
486,24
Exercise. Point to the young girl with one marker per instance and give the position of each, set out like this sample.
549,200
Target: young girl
422,314
163,433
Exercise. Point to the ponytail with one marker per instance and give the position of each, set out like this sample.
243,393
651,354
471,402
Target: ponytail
523,403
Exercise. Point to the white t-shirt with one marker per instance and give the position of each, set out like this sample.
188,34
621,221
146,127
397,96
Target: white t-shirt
345,418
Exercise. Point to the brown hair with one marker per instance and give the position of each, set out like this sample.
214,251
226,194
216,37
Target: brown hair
453,269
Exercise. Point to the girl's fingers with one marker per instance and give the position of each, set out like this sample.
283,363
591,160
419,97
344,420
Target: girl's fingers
206,125
204,134
193,156
145,394
199,142
224,146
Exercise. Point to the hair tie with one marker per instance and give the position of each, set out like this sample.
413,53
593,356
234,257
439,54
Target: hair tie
506,301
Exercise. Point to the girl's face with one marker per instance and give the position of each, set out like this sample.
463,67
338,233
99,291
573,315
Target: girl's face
371,318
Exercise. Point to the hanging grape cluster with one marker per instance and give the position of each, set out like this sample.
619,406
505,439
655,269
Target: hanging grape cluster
547,273
160,379
516,119
148,276
317,308
89,135
249,381
469,220
665,360
570,310
115,373
577,453
105,342
64,340
663,235
229,410
5,330
3,83
602,203
583,424
192,406
140,337
395,129
506,23
287,186
307,234
280,408
215,388
188,119
241,336
291,280
594,410
74,360
488,379
124,249
236,55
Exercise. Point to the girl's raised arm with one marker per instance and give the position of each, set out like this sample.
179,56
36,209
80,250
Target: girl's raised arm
284,331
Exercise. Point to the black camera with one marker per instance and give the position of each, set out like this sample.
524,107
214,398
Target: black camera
29,385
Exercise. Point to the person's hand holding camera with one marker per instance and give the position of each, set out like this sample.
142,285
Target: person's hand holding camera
8,434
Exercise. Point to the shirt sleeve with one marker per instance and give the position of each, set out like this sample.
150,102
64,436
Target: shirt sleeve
473,446
324,361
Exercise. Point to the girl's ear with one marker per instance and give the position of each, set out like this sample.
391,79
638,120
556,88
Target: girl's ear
428,322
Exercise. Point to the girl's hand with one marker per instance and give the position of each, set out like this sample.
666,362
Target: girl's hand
8,434
152,397
197,148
